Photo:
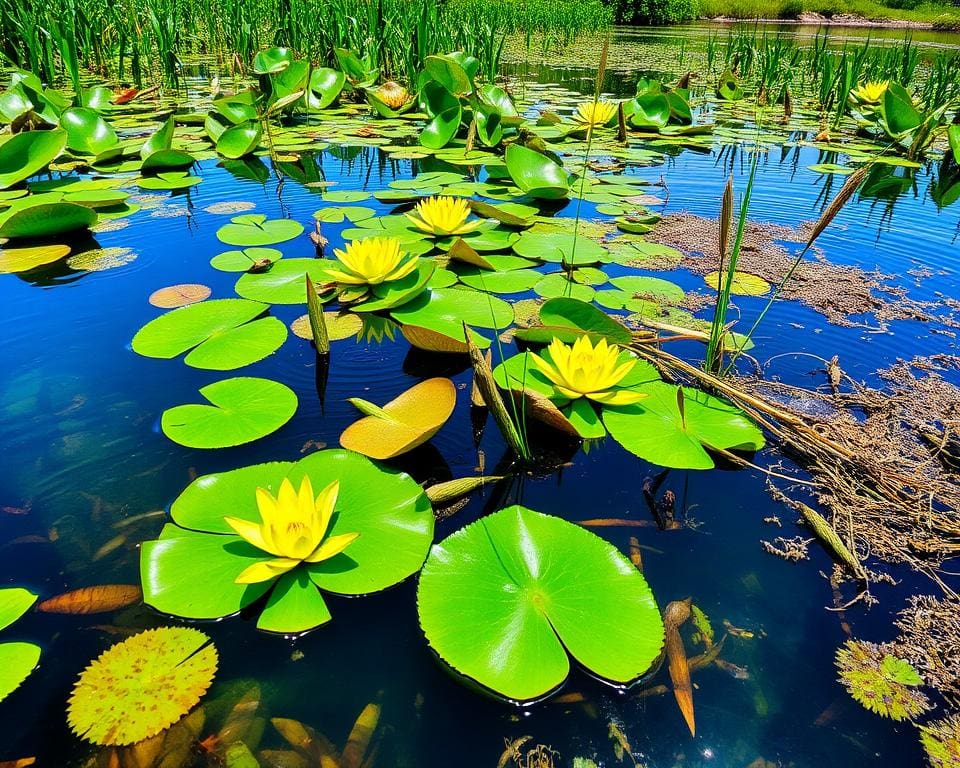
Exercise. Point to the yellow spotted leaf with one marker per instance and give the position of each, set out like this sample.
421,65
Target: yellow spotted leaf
743,283
338,326
141,686
407,421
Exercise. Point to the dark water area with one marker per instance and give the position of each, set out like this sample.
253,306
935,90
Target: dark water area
83,454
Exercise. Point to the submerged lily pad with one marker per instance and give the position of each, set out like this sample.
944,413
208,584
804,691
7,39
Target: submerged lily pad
505,603
218,332
387,508
409,420
240,410
254,229
142,685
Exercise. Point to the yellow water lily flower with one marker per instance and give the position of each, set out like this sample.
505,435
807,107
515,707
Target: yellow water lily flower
372,261
585,370
443,216
393,94
870,93
293,526
594,113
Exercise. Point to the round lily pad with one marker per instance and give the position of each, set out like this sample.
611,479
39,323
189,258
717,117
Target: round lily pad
445,310
514,281
339,326
240,410
17,660
560,247
255,229
557,285
284,282
245,259
142,685
170,181
14,260
174,296
744,283
386,507
504,601
46,220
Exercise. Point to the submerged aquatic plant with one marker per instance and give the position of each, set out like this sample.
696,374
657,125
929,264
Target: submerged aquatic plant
595,113
372,261
880,681
443,216
585,370
293,527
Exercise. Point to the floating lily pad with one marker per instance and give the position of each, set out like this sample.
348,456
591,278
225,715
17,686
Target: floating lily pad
218,332
284,282
537,175
505,603
102,259
17,660
46,220
254,229
241,410
339,326
407,421
244,260
334,214
28,153
514,281
181,295
557,285
657,430
652,288
169,181
346,196
387,508
445,310
142,685
559,247
24,259
744,284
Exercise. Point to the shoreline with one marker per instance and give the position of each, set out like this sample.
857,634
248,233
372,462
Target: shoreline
812,19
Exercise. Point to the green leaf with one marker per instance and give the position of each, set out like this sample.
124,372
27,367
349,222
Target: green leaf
283,282
14,602
899,113
651,110
953,134
87,132
241,410
441,129
170,181
325,85
900,671
46,220
295,605
218,331
560,247
558,285
243,260
397,293
449,73
584,418
239,140
17,661
28,153
255,229
445,310
504,600
537,175
654,429
272,60
584,317
159,140
514,281
649,288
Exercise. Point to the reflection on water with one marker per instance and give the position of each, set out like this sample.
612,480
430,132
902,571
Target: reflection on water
87,474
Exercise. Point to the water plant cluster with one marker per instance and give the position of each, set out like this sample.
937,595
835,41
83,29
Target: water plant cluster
556,317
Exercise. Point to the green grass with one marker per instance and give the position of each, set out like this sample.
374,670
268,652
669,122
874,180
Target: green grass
939,14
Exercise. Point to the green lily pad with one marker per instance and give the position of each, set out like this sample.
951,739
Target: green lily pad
17,660
169,181
241,410
652,288
386,507
283,283
87,132
514,281
46,220
656,430
254,229
505,603
537,175
445,310
218,332
334,214
13,260
243,260
28,153
560,247
239,140
346,196
557,285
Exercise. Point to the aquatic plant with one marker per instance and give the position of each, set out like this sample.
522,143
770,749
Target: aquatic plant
443,216
595,113
28,153
539,176
138,687
17,660
880,681
372,261
941,741
407,421
504,603
585,370
192,569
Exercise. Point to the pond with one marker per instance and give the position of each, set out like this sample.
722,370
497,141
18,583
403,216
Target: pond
89,474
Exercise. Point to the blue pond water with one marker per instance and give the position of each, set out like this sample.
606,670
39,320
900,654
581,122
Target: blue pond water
82,452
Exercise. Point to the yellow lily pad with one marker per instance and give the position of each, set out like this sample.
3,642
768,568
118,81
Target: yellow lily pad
141,686
25,259
404,423
338,326
744,284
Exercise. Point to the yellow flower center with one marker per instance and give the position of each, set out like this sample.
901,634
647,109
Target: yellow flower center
393,94
594,113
